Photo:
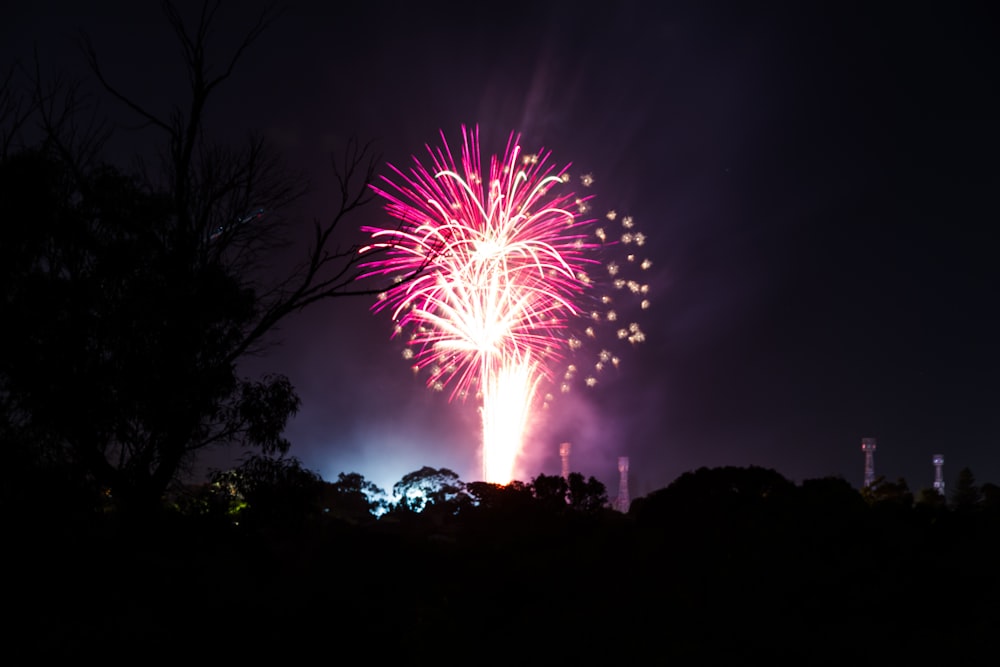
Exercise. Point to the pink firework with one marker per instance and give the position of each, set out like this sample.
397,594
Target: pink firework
489,271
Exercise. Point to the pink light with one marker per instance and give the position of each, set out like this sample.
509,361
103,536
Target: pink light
489,273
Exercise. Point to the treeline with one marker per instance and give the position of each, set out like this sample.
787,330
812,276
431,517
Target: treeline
723,565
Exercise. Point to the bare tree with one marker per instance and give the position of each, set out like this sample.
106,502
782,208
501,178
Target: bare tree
217,190
16,107
154,281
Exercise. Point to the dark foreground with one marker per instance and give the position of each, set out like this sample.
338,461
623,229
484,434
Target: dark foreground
718,574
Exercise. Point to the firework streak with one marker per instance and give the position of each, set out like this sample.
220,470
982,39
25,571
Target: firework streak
488,274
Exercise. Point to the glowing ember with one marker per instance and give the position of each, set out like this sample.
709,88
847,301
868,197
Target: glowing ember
486,277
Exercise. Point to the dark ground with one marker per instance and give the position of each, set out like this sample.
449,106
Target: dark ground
732,569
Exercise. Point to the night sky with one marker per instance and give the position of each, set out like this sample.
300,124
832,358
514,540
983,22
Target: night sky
819,187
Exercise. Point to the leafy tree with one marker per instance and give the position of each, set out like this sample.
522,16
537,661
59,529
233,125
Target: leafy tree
215,501
930,505
831,511
545,493
430,487
729,485
884,493
966,494
17,106
275,489
128,363
354,498
551,492
931,498
130,299
990,496
720,502
831,495
487,496
586,495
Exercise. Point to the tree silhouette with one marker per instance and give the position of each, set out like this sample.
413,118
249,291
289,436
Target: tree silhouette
123,334
277,490
17,106
883,493
966,494
588,495
510,498
130,300
354,498
931,498
427,488
990,496
551,492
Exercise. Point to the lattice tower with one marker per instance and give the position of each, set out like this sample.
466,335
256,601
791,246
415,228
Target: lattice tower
623,501
939,473
564,455
868,447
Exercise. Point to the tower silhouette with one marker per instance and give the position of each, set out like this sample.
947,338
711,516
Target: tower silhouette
939,473
868,447
564,455
622,502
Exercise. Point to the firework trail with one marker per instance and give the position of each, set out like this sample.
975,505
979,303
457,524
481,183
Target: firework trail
489,276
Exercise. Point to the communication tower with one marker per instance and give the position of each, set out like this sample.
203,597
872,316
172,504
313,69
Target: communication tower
939,473
622,502
564,455
868,447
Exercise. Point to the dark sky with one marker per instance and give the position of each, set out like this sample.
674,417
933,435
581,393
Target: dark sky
819,187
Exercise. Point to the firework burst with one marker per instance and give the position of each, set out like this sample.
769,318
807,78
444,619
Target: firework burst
490,273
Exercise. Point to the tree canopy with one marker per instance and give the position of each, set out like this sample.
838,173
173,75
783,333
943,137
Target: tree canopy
130,297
